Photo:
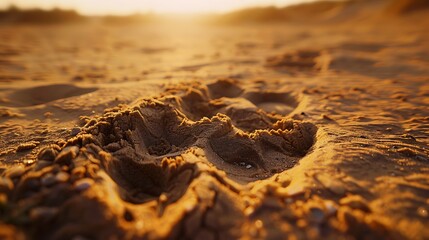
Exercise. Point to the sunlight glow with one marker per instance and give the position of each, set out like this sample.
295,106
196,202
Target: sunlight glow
121,7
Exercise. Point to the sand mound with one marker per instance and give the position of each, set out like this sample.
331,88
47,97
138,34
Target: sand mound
45,94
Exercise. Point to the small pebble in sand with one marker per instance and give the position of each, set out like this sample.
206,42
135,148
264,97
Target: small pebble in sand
244,164
83,184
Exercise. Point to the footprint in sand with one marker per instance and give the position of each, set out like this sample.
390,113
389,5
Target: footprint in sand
230,129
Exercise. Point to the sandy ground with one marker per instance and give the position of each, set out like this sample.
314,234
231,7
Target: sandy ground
267,132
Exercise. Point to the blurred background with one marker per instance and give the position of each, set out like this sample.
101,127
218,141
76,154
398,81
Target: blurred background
106,45
57,11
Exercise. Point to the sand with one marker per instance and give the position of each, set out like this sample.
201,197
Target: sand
223,132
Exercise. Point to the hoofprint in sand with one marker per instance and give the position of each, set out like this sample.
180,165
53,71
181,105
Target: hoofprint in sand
234,133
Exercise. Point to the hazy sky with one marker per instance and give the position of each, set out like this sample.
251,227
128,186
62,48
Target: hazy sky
133,6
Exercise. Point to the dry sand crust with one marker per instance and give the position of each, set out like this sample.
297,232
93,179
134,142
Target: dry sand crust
270,133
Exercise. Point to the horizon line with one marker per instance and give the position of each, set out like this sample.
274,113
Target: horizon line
154,12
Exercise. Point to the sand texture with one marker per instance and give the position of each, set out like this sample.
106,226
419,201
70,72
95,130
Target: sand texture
281,131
